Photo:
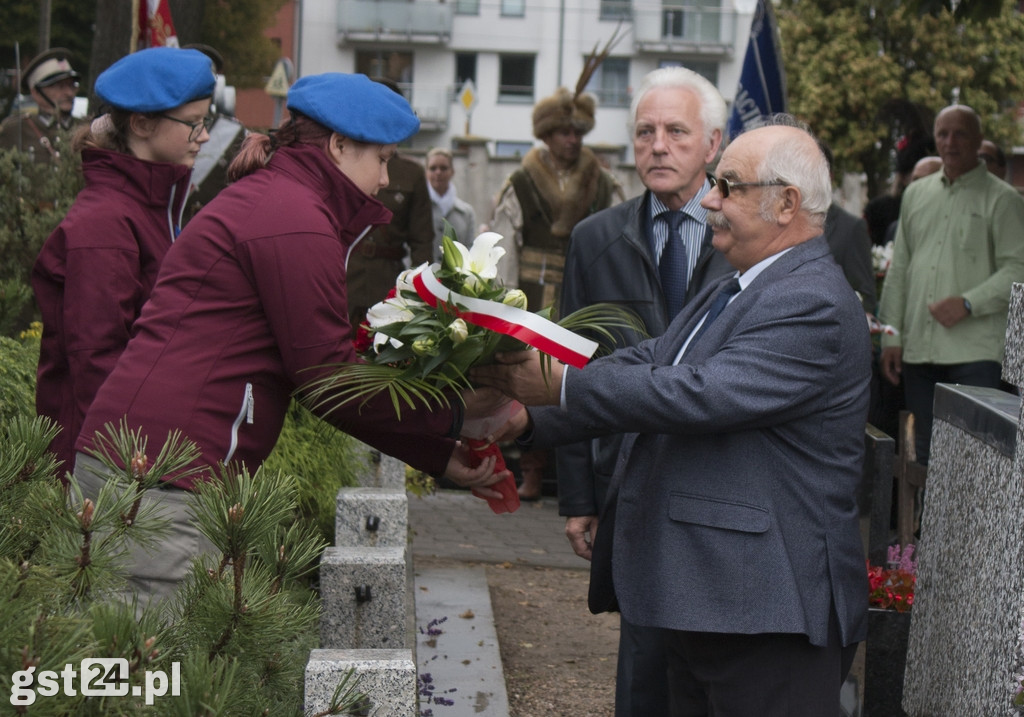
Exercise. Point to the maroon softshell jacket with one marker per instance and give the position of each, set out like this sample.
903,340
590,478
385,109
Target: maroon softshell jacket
93,275
251,305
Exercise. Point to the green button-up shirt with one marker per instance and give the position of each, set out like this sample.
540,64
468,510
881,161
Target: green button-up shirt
962,238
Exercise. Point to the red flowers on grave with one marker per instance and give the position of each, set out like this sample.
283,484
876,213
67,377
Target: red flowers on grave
892,587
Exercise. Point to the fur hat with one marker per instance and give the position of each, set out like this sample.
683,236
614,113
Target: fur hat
563,110
157,79
354,106
47,68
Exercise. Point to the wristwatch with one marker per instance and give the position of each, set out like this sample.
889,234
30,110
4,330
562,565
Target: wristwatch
967,305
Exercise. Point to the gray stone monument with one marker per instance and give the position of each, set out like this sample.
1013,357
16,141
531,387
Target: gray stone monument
372,518
969,603
386,677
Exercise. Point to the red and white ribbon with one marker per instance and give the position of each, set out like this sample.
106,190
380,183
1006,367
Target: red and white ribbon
531,329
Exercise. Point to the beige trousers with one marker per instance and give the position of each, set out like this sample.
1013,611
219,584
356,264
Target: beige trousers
153,575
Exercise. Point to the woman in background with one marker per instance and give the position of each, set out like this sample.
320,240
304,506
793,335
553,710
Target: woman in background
99,265
446,204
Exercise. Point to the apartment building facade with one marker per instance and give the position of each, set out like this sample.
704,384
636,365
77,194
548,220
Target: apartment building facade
515,52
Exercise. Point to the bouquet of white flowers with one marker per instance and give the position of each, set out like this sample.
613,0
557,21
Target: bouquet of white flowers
442,319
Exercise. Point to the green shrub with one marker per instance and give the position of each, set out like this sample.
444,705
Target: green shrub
239,630
35,198
18,359
36,195
321,458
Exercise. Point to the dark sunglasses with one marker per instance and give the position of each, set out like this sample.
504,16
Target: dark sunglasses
726,186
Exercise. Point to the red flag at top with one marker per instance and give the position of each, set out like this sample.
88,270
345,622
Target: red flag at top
156,29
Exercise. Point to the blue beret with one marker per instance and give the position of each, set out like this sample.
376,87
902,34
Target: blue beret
354,106
157,79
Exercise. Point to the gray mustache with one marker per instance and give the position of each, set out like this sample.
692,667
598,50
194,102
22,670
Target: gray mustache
717,220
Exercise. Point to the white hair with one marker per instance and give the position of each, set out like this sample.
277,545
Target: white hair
712,106
788,161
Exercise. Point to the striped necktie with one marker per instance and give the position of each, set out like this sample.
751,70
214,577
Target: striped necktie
672,264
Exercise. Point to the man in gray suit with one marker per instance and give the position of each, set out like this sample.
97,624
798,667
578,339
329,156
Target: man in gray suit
614,256
736,520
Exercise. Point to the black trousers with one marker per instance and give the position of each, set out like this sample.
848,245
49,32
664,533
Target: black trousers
919,381
641,680
765,675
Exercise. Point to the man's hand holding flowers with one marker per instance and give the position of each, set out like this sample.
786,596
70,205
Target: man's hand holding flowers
441,321
525,376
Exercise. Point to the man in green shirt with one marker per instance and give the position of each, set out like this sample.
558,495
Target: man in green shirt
959,247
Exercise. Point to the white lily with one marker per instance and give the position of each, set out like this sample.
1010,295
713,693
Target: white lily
404,281
480,260
389,311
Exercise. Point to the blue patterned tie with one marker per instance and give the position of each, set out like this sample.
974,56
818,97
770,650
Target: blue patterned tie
672,265
729,289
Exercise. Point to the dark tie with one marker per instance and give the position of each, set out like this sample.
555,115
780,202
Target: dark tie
729,289
672,265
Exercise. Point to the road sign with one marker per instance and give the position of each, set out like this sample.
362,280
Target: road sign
467,95
280,79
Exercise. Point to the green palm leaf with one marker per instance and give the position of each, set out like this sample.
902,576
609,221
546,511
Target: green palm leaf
413,381
603,322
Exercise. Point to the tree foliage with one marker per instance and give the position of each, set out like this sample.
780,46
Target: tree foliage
236,30
962,9
98,33
863,73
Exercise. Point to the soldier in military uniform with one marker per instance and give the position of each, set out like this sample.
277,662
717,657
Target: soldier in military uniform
52,83
382,255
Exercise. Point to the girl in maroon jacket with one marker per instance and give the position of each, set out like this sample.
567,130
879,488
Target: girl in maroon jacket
250,306
99,265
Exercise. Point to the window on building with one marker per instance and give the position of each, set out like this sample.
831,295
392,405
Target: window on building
515,79
465,67
691,20
467,7
616,9
673,22
707,70
511,149
513,8
610,82
390,64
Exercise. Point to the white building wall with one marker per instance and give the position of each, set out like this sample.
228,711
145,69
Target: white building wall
543,32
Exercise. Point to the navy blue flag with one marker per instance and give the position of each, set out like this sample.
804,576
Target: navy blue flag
762,86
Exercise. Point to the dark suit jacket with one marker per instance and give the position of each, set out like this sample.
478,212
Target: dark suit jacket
848,240
609,260
737,488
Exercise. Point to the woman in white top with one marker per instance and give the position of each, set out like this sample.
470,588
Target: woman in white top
445,203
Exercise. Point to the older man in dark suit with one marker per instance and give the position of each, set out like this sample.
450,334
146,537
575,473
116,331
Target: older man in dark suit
622,255
736,521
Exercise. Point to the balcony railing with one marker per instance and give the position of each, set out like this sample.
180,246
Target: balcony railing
679,28
395,20
431,103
